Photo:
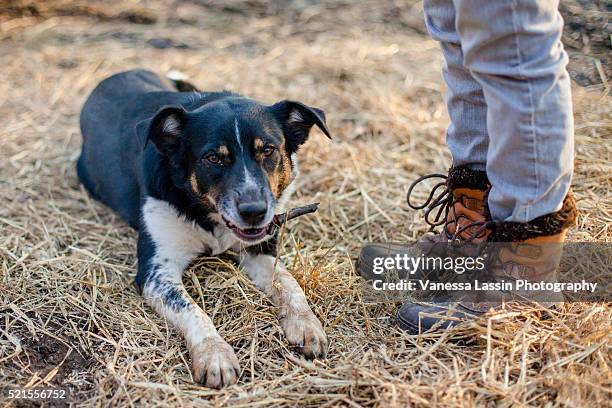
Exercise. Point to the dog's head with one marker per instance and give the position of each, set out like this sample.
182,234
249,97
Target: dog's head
236,156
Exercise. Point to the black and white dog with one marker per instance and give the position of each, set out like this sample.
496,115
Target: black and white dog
199,173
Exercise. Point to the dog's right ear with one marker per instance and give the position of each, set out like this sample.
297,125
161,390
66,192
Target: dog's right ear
164,130
297,120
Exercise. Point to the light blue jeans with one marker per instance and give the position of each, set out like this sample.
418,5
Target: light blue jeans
509,99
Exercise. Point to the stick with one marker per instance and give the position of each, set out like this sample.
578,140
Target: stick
280,219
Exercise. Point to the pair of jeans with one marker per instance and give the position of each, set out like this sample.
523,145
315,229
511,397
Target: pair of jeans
509,99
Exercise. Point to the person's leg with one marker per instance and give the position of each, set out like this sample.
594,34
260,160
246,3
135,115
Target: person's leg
513,49
465,184
466,135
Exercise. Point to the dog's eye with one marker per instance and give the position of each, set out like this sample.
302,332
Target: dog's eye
213,158
268,150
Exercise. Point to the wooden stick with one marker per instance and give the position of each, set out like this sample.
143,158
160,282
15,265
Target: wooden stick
280,219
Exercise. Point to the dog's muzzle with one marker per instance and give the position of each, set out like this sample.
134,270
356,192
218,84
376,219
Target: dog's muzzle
248,215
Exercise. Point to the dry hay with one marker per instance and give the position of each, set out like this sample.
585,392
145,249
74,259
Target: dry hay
71,316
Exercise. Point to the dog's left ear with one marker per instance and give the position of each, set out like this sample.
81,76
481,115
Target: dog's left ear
297,120
164,130
167,128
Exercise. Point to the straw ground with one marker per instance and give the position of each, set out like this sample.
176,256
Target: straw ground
70,315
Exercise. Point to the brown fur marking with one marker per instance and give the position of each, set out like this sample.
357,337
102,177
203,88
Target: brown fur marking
223,151
280,177
193,181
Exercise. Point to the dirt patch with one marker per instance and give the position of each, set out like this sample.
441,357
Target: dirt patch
50,8
587,36
50,362
48,353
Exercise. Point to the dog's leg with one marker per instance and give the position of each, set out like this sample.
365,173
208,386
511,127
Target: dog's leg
301,326
166,245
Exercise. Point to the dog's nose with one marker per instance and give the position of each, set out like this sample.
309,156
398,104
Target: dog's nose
253,212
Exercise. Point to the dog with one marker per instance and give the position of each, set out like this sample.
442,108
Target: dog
199,173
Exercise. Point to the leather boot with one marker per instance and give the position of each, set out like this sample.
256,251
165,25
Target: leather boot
517,251
457,204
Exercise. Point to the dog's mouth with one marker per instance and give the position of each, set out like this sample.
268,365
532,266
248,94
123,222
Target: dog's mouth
247,234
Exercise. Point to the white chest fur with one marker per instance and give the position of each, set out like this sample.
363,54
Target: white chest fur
176,237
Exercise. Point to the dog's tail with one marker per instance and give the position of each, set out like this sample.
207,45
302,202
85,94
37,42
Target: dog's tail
179,80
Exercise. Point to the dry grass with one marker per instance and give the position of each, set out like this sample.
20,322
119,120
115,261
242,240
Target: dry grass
71,316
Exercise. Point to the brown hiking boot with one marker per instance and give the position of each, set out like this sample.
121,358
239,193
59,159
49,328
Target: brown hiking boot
458,204
517,252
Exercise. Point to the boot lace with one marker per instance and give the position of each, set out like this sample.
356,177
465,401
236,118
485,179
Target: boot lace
438,205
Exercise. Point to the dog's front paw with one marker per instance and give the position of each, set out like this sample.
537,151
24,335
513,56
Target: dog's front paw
306,332
214,363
